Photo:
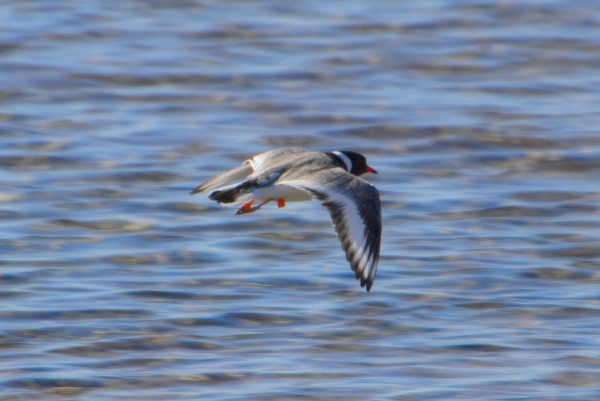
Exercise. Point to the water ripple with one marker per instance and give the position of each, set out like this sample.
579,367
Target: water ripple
480,118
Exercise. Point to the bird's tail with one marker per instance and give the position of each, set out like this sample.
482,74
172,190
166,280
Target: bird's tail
231,195
234,194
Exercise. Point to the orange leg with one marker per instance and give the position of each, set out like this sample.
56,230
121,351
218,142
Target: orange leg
246,207
280,203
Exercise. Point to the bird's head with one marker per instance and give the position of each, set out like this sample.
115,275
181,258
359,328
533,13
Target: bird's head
355,162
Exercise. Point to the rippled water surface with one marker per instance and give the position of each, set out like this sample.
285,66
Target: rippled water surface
481,117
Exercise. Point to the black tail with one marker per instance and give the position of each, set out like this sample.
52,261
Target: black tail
232,194
225,196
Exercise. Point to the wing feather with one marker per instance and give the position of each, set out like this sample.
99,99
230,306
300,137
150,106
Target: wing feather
251,167
355,209
226,178
264,161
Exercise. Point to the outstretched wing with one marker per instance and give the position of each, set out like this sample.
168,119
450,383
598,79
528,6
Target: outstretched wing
355,210
225,178
266,160
250,167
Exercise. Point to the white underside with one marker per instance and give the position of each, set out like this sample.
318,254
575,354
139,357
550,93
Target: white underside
282,191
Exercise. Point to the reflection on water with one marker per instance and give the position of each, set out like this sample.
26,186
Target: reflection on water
481,119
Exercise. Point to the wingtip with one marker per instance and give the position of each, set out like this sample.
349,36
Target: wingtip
196,190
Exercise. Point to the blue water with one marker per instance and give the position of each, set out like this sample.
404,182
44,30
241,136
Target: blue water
481,117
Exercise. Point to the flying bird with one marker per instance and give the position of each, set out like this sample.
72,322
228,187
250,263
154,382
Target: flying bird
295,175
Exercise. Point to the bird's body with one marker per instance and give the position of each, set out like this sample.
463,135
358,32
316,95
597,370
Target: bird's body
295,175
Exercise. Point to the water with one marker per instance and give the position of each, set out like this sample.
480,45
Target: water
481,117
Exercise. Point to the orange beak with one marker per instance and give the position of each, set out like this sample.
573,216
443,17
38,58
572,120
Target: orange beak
371,170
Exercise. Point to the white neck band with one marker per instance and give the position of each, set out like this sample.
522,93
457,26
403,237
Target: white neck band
345,159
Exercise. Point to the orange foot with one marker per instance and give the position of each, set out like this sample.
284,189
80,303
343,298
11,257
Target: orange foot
280,203
247,207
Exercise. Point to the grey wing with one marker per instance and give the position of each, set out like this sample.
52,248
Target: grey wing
228,177
254,165
267,160
355,209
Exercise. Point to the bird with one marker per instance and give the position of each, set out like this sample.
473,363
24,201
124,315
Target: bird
294,175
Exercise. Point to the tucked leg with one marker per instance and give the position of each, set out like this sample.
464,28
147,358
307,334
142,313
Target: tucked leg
247,206
280,203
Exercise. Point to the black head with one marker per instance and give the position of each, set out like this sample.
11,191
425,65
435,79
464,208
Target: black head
355,162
